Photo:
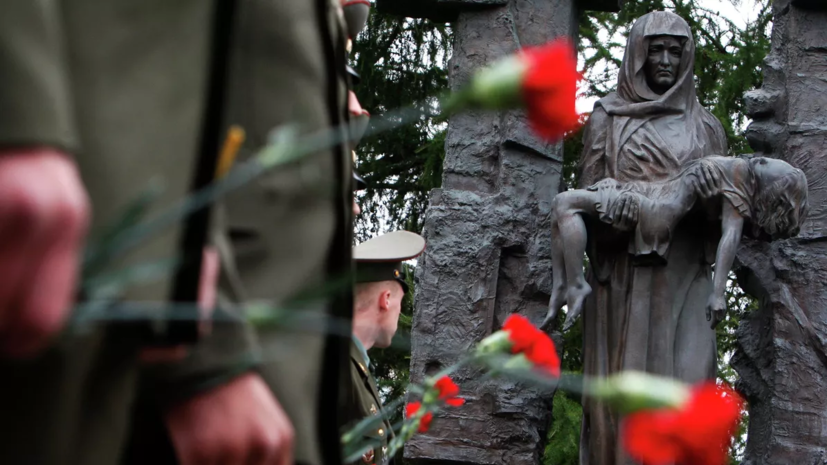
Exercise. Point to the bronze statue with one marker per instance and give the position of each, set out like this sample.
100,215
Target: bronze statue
768,194
648,315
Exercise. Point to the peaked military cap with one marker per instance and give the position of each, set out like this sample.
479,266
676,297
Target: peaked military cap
380,259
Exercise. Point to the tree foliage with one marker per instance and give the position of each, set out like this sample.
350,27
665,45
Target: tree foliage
402,63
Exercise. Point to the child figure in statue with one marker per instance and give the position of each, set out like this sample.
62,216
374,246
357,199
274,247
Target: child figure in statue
767,194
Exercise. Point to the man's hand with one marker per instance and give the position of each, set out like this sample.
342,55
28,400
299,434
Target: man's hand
705,180
237,423
625,211
44,217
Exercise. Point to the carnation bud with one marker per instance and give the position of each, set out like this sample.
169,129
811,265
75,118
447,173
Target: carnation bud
631,391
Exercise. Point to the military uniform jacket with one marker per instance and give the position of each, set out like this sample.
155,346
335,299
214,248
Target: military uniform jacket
289,232
122,86
365,402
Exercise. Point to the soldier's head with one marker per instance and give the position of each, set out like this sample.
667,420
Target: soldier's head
380,285
376,310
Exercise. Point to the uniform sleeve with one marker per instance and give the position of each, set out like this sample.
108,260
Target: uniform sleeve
227,353
35,101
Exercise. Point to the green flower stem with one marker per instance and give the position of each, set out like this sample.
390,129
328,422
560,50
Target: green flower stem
626,392
632,391
498,87
284,147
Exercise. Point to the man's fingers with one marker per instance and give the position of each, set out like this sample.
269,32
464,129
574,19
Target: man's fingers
44,214
271,446
53,265
43,314
285,454
20,233
286,438
27,245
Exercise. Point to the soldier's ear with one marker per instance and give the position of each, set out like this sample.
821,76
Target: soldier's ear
384,300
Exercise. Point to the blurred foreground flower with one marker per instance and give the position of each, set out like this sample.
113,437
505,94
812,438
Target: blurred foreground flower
448,391
668,422
697,433
543,80
437,392
529,343
424,421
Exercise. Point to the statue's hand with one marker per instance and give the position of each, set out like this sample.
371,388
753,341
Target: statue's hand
715,310
705,180
626,211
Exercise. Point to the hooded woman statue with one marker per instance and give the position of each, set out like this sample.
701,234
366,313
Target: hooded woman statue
648,316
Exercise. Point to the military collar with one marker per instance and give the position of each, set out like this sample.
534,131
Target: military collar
362,350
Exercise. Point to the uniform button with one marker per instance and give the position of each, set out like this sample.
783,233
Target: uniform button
381,432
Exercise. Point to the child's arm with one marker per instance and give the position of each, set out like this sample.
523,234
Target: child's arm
732,225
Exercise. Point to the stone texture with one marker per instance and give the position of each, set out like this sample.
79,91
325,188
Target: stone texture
782,355
489,246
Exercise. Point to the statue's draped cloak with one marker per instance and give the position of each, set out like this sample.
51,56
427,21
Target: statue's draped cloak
646,317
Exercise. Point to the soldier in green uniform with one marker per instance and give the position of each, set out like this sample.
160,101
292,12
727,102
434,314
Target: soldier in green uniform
377,304
290,231
100,97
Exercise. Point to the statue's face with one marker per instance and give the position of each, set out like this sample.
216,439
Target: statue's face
662,63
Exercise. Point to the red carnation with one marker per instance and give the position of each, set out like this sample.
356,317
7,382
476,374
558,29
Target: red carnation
521,333
424,422
699,433
549,88
536,345
448,391
542,79
544,356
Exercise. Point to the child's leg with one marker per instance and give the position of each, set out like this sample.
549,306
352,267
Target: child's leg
569,238
558,265
573,231
558,273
